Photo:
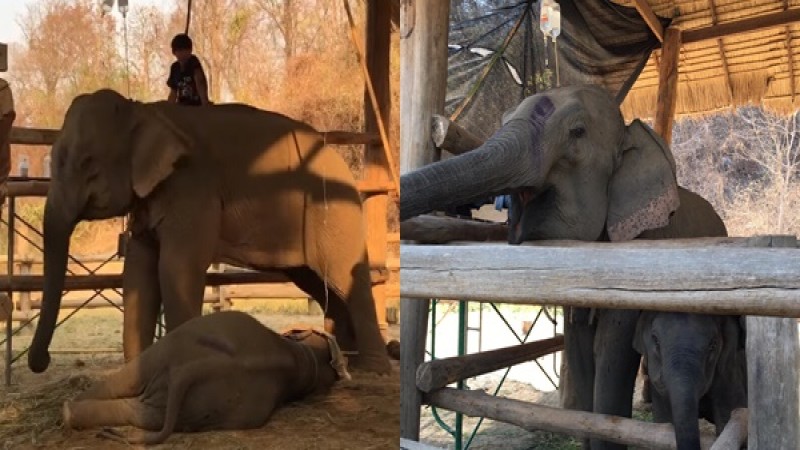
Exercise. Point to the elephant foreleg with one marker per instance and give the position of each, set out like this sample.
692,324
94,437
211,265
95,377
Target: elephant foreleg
616,364
82,414
141,296
182,267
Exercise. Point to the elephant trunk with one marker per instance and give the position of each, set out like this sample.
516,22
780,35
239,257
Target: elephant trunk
58,229
684,402
512,158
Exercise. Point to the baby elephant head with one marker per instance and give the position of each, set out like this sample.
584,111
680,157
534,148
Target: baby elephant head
697,367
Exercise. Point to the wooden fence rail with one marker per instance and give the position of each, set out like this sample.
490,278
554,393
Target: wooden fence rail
716,276
644,275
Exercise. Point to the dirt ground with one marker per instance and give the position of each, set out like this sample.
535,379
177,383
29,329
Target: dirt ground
361,413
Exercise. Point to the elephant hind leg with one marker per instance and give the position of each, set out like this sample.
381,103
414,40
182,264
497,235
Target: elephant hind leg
332,304
352,309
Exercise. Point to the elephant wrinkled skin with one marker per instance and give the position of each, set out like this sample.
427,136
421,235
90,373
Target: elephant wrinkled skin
220,371
575,170
222,183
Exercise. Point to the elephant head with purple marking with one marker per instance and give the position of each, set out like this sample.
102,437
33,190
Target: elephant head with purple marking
575,170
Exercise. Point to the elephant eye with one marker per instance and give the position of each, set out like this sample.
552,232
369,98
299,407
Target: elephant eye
712,347
577,132
655,341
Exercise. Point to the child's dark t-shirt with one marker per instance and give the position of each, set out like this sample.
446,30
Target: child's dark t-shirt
182,80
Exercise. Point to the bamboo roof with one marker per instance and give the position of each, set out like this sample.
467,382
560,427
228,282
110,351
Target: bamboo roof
754,67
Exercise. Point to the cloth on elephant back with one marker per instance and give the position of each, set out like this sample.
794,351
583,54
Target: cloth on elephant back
601,43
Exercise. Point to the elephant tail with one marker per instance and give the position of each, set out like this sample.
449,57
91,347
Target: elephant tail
180,380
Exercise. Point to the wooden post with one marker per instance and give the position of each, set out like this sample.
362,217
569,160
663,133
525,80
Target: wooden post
668,83
378,44
451,137
772,377
423,82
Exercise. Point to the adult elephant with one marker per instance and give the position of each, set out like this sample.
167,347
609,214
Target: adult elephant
225,183
575,171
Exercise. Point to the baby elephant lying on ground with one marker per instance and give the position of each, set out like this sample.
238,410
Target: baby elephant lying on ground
220,371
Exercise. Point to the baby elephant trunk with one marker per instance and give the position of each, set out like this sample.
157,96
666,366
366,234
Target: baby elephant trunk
684,401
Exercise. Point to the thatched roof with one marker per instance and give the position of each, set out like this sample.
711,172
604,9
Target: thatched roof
759,67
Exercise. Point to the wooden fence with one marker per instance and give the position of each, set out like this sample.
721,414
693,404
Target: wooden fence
715,275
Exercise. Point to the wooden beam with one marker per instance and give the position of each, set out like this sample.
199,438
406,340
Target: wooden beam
773,364
427,229
650,18
437,374
734,435
771,20
792,81
580,424
722,56
33,136
32,283
47,136
451,137
708,280
668,84
423,83
40,188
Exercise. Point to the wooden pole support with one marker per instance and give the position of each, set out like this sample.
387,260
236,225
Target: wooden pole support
450,136
427,229
581,424
437,374
772,376
734,435
668,84
423,83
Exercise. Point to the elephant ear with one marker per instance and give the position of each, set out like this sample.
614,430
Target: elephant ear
643,192
157,145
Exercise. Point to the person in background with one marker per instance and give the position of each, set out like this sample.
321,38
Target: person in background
7,116
187,81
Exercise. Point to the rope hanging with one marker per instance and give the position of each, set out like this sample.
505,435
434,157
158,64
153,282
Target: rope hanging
188,16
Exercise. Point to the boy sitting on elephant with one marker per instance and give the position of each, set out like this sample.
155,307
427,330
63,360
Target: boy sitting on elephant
220,371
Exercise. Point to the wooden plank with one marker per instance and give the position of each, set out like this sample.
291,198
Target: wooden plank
772,376
33,136
351,138
722,56
747,25
581,424
734,435
433,375
430,229
30,283
423,83
668,84
650,18
47,136
451,137
406,444
697,280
